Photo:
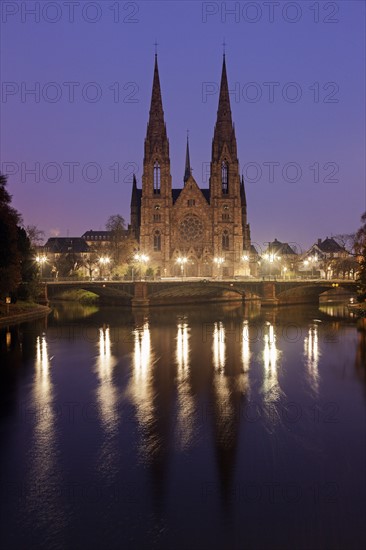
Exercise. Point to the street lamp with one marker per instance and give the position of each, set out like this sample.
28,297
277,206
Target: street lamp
141,259
219,260
182,260
40,261
103,261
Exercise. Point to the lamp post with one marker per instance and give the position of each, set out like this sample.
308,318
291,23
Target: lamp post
141,259
182,260
103,261
219,260
40,261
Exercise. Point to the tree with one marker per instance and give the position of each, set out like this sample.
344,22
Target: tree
360,249
10,257
346,241
28,269
35,235
117,227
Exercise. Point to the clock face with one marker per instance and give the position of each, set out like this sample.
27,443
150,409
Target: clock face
191,228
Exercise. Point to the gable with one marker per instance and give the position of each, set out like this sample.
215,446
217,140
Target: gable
191,191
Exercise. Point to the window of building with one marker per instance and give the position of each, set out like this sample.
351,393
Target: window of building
156,177
225,177
225,240
225,217
157,218
191,202
157,241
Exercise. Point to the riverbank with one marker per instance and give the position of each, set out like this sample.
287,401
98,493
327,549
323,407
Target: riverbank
21,311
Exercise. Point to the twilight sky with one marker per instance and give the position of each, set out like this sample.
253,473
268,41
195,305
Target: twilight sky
296,70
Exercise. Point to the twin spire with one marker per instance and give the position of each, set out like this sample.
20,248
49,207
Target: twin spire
224,129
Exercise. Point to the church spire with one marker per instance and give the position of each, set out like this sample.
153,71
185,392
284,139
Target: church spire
187,171
156,142
224,110
156,126
224,129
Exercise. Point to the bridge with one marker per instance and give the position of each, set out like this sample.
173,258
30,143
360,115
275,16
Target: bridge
151,293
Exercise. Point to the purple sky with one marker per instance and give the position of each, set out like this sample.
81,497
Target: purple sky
323,132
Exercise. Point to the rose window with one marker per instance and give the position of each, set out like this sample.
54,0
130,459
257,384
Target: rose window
191,228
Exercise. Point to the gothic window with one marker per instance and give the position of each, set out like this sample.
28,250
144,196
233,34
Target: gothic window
226,217
191,228
157,218
225,240
157,241
225,177
191,202
156,177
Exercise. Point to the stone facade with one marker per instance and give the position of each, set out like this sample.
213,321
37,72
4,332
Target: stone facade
201,226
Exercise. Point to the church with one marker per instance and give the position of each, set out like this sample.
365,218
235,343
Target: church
187,230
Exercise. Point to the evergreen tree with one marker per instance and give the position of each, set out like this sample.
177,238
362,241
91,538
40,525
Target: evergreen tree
10,257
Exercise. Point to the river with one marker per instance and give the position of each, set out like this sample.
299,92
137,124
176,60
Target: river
186,427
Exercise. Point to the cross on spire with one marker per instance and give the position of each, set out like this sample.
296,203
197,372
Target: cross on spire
156,47
224,47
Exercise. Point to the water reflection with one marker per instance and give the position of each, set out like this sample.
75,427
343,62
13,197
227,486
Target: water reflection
245,350
44,470
270,386
270,357
107,394
43,400
337,310
107,399
141,385
230,454
312,354
186,408
219,346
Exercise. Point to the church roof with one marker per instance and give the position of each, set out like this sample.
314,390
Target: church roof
177,192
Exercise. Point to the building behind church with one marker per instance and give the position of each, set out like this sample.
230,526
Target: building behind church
208,228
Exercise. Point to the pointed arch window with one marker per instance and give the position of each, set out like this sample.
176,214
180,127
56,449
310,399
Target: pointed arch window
225,240
225,177
157,241
156,177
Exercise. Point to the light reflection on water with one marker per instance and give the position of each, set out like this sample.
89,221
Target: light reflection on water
44,428
190,421
219,346
186,404
312,355
107,399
